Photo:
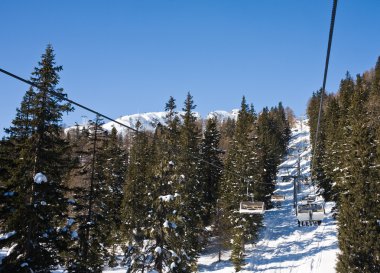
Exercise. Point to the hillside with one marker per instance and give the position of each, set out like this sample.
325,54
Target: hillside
283,246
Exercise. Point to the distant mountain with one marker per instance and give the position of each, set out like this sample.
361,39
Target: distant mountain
150,120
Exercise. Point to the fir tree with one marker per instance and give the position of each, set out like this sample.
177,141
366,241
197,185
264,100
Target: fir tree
155,227
358,227
209,169
114,170
89,250
137,201
330,159
39,206
189,189
242,160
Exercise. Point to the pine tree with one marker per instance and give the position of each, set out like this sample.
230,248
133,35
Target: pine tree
89,250
137,202
350,168
190,188
330,159
318,150
114,170
271,147
155,237
358,227
241,163
227,129
210,166
39,207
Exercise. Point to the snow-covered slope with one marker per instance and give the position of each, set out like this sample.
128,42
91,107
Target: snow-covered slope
222,115
283,247
149,120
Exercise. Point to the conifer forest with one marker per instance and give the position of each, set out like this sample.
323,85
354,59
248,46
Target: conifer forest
86,198
266,186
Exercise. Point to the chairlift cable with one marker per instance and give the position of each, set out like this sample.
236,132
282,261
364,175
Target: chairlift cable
332,23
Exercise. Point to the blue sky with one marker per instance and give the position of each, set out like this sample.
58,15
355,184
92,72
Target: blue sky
125,57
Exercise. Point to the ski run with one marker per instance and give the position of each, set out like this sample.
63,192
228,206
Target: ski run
283,246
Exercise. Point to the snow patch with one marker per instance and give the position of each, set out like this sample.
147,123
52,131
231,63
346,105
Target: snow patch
7,235
40,178
9,194
10,250
166,198
158,250
70,222
74,235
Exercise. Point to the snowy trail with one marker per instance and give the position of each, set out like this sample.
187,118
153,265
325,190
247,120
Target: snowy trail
283,247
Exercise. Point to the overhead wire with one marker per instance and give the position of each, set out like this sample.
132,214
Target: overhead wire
65,98
331,32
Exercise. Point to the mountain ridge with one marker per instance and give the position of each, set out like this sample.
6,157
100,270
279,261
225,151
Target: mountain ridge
149,120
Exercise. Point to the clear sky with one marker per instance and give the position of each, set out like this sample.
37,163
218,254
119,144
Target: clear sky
125,57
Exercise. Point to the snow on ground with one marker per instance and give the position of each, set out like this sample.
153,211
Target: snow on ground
283,247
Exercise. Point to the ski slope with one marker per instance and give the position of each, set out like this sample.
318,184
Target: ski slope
283,247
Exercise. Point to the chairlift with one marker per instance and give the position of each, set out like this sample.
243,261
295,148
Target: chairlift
277,198
312,198
251,207
310,212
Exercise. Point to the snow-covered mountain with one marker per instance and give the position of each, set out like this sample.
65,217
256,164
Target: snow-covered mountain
150,120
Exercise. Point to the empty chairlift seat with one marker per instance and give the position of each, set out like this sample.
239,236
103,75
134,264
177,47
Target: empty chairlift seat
277,198
248,207
318,212
310,213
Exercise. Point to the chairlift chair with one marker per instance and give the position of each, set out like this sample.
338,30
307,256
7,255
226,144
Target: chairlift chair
309,213
277,198
250,207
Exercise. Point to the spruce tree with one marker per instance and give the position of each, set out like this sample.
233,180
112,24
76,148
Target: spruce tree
156,228
242,161
41,163
137,202
190,188
330,159
91,231
114,170
358,227
210,169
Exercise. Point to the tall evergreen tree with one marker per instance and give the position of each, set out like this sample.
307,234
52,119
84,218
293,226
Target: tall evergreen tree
41,164
189,189
330,158
350,169
243,161
210,169
358,227
89,251
114,170
137,202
